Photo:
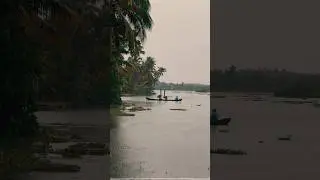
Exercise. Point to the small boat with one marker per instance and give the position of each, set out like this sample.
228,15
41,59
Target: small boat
154,99
221,122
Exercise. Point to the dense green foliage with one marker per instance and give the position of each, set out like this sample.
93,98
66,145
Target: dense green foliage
140,76
18,68
183,87
69,51
87,71
280,82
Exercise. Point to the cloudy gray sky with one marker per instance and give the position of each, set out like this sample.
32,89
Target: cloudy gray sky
267,33
180,39
248,34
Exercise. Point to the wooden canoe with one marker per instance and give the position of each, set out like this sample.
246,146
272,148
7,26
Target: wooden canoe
153,99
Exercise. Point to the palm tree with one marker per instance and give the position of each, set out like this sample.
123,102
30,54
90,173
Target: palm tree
112,23
47,27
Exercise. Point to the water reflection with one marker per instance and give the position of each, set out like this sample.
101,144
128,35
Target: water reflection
162,143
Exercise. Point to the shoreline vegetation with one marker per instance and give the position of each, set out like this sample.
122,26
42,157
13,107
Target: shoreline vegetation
67,59
281,83
182,87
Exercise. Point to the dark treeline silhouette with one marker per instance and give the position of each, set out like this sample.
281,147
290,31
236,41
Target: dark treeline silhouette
183,87
279,82
140,76
69,51
83,52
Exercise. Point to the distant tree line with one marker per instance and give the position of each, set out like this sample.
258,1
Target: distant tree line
183,87
280,82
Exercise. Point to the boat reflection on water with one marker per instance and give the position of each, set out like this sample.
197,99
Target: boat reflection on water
154,99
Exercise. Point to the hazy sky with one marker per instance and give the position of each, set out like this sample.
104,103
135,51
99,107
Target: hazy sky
180,39
267,33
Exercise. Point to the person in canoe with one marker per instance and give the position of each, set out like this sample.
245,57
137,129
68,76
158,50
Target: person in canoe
159,96
177,98
214,116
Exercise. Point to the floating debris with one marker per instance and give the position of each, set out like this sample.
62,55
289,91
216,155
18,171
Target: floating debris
178,109
258,99
125,114
48,166
228,152
76,150
286,138
119,112
293,102
224,130
138,108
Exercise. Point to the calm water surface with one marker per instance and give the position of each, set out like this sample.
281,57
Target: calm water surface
162,143
265,119
159,143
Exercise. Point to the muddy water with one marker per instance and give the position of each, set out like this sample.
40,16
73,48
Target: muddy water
159,143
94,126
162,143
255,127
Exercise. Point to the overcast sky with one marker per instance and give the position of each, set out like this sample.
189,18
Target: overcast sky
180,39
248,34
268,33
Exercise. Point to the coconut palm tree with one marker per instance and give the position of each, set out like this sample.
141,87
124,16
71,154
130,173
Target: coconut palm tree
37,30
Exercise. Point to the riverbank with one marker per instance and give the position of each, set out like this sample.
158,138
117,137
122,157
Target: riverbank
79,137
76,138
74,151
140,139
60,151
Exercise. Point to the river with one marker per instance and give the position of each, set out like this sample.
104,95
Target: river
257,122
162,143
159,143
